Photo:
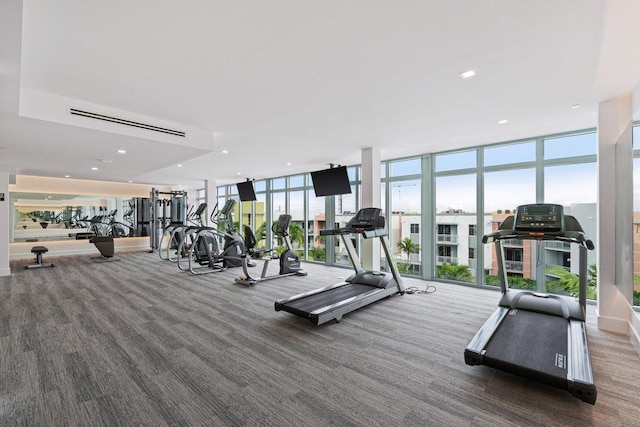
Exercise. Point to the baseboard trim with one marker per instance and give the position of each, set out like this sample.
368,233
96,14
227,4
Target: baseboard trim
612,324
634,335
5,271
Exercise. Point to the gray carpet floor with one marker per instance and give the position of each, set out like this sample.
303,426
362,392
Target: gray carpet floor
138,342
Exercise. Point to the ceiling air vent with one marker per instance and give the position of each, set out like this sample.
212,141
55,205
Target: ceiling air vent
76,112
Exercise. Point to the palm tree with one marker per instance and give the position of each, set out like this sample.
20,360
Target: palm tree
296,233
569,283
408,246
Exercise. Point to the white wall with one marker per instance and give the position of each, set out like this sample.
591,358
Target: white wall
613,310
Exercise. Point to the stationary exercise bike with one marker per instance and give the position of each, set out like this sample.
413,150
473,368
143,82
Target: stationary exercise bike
289,261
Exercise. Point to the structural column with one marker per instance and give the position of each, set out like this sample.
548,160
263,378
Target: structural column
210,197
614,120
370,191
4,224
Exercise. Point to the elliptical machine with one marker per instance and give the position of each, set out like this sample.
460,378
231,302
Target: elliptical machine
205,249
289,261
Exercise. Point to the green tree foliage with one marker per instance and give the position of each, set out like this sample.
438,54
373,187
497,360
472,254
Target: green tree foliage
514,282
296,234
408,246
568,283
454,271
317,254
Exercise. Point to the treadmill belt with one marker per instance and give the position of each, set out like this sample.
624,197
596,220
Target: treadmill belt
333,296
531,344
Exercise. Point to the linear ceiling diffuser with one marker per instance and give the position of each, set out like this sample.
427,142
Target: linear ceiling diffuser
76,112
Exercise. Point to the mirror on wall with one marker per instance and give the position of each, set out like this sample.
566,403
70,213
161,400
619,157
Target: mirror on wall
634,295
44,217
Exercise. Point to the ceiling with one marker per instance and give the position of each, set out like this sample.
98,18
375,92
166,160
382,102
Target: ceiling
292,85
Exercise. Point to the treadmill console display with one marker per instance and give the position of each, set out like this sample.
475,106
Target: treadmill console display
366,218
540,218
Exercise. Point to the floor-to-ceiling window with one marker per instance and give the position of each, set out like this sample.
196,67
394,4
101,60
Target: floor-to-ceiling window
455,243
404,187
466,194
570,180
345,207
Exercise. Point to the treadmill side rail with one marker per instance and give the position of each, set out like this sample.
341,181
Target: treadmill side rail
474,353
282,302
336,311
579,375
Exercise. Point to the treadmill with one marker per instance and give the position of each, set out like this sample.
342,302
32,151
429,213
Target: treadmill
536,335
362,288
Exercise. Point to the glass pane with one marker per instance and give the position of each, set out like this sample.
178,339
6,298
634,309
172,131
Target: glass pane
406,211
260,185
247,217
579,201
636,138
278,183
232,189
557,180
383,170
296,229
296,181
456,193
315,222
222,190
345,209
406,167
453,161
278,207
260,226
503,192
512,153
569,146
455,245
351,172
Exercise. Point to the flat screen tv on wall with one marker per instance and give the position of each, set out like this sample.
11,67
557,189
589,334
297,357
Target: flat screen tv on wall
246,192
329,182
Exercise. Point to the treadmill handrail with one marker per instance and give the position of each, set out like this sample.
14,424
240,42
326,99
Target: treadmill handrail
366,233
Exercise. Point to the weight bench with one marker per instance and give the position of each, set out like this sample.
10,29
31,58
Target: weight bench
38,251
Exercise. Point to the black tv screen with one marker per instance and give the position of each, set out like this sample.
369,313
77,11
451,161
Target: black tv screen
329,182
245,191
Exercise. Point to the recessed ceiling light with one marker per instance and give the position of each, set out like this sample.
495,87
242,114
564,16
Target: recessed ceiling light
225,151
122,151
575,106
288,163
179,166
468,74
67,176
239,173
94,168
501,122
130,181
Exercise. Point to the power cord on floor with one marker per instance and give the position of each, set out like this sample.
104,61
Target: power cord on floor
415,290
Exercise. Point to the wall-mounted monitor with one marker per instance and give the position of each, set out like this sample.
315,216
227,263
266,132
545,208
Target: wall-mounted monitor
246,192
329,182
